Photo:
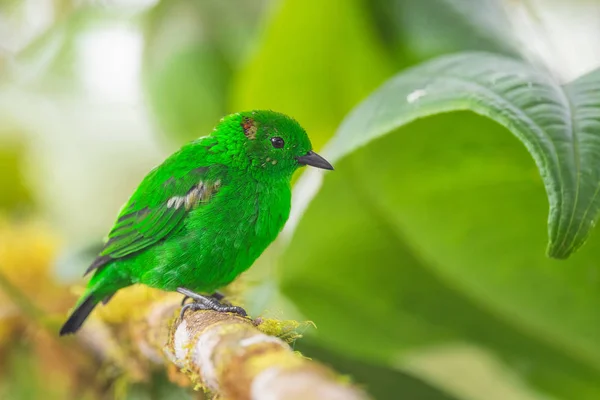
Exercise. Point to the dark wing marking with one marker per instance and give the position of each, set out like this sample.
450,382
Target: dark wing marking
98,262
107,298
155,210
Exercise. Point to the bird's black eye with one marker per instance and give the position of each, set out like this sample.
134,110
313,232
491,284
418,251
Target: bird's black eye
277,142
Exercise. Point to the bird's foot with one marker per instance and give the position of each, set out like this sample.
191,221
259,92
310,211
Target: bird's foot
216,306
201,302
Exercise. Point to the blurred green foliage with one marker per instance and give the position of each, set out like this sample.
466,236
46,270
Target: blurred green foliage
315,61
379,381
414,30
191,52
421,259
11,165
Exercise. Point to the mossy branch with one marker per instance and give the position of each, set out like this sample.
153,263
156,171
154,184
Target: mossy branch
232,358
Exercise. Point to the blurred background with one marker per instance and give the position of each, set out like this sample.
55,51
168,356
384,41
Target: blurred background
421,261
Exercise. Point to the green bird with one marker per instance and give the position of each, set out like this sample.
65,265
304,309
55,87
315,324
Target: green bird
204,215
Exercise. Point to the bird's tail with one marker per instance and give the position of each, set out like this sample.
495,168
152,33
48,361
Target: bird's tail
78,317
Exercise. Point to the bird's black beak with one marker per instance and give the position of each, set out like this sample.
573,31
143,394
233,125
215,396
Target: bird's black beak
314,160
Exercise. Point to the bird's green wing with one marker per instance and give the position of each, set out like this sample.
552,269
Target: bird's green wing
157,208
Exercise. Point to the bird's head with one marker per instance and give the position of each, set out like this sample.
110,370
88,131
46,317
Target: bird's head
267,143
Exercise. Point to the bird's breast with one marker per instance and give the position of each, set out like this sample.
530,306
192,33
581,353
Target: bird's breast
266,209
235,230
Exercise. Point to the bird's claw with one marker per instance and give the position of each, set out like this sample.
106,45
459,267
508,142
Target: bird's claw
216,307
207,303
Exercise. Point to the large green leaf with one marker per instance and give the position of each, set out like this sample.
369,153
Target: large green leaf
433,234
559,125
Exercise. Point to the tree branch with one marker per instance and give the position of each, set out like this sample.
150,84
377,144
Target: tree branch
231,357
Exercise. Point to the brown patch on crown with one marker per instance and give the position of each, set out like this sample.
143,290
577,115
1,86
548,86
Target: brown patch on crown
249,127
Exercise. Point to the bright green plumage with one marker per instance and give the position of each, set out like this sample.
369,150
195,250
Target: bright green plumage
206,213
